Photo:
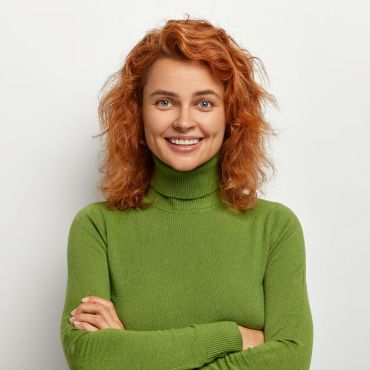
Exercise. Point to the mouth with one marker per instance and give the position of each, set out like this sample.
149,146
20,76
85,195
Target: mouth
184,148
199,139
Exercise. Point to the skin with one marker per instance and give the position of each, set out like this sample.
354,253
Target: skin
95,313
165,115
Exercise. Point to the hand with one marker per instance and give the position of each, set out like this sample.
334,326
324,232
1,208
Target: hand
95,313
251,338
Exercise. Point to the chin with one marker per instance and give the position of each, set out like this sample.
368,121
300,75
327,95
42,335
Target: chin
182,164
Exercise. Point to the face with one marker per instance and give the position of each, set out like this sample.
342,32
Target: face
181,99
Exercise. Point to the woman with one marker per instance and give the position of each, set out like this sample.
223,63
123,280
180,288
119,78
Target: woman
183,266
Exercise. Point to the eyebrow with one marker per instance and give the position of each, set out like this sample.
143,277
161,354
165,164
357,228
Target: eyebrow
197,93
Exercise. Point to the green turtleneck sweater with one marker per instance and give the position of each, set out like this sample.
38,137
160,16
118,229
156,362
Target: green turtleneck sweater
183,274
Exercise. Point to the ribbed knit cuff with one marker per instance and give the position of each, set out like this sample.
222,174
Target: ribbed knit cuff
220,338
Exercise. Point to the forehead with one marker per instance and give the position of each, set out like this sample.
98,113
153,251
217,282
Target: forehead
174,74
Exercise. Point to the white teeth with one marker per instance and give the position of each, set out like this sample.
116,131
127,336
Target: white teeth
184,142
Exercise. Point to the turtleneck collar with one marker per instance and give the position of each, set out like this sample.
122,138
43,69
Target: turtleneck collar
195,183
185,190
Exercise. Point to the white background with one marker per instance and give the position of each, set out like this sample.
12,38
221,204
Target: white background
55,57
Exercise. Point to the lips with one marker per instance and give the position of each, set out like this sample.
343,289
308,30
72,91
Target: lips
178,148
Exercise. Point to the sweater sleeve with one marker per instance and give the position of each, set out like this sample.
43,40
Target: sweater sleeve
172,348
288,326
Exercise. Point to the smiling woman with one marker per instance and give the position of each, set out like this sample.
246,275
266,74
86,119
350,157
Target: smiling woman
184,266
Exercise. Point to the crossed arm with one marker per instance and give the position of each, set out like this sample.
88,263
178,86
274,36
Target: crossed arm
119,349
288,326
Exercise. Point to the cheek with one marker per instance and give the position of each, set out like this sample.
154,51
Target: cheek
214,125
151,123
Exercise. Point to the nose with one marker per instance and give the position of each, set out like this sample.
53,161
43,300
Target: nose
184,120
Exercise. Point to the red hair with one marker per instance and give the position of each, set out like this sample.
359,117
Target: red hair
128,165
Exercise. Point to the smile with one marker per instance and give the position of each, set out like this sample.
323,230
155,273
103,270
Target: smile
184,146
184,142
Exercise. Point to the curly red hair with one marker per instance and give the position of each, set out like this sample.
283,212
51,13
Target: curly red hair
128,164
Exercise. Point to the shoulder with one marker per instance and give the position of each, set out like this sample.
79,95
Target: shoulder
89,221
277,211
91,214
281,219
94,210
284,230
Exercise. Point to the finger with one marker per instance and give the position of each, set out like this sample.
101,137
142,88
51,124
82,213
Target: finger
92,308
98,320
106,303
109,307
95,320
84,326
97,309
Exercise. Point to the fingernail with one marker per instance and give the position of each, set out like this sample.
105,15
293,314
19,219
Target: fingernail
76,323
85,299
71,319
73,312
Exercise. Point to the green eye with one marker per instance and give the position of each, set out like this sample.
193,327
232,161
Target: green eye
163,100
166,103
205,101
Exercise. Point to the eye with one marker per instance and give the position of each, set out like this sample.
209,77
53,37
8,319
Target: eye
210,104
162,100
206,104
